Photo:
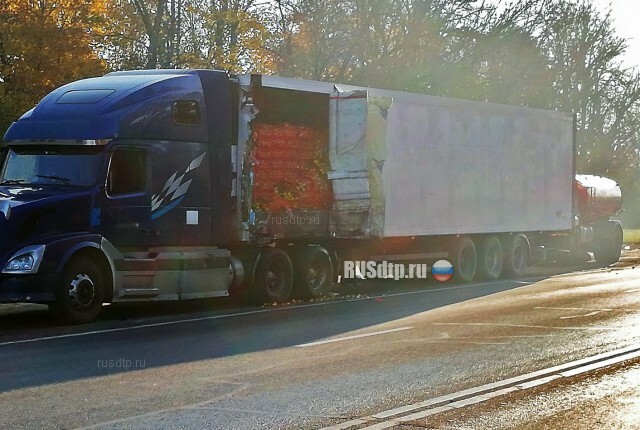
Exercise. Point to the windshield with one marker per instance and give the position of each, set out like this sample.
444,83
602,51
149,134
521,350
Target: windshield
74,166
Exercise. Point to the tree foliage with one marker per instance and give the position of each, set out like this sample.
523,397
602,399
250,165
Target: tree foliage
551,54
224,34
584,53
43,44
228,34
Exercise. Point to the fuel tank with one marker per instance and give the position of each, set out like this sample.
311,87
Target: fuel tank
597,196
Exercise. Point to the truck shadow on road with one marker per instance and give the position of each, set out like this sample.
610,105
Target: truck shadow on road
34,351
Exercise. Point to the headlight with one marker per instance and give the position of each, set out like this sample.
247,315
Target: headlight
27,260
22,263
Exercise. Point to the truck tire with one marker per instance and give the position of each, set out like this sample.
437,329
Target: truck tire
80,293
464,259
490,258
313,273
516,255
238,286
608,244
273,277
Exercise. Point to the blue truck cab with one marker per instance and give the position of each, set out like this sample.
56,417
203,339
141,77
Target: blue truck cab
118,188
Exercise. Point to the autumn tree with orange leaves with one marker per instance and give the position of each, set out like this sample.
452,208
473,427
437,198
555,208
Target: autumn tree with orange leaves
232,35
44,44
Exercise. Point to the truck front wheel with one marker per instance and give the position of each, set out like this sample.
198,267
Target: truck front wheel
80,293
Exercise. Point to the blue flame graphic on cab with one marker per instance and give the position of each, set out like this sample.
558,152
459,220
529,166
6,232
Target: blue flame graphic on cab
174,190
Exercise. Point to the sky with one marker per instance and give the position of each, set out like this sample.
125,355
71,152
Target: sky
626,20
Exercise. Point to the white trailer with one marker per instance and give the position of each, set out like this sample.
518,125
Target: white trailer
491,187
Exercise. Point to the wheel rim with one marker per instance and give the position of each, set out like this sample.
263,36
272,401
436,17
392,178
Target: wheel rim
467,262
82,291
317,273
492,259
275,279
518,259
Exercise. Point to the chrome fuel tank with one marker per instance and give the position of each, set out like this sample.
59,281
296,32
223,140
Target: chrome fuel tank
602,196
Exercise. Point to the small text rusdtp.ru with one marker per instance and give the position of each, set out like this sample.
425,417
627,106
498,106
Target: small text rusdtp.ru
121,363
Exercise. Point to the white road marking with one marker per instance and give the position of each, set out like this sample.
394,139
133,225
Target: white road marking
516,336
452,340
590,314
416,411
166,323
531,326
574,309
258,311
356,336
590,311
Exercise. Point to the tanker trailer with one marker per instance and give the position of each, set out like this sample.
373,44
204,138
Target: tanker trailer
597,200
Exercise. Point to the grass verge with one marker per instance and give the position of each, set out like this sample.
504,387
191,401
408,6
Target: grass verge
631,236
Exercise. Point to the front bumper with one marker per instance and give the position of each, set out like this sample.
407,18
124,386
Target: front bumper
28,288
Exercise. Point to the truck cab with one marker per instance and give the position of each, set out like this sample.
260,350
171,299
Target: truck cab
116,189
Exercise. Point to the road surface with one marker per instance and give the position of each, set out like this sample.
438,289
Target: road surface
313,365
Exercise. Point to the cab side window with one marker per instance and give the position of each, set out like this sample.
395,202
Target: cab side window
127,172
186,112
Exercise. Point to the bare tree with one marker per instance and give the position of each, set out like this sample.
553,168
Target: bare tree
152,20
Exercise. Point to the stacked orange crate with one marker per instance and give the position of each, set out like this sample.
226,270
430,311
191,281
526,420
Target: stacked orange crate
290,168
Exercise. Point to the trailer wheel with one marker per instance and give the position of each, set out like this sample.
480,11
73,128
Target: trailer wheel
313,273
490,258
516,255
273,276
80,293
464,259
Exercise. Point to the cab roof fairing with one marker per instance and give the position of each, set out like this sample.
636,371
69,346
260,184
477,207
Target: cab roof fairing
120,105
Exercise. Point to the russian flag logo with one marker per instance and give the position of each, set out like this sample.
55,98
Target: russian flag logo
442,270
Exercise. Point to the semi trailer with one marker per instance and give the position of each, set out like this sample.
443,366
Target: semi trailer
184,184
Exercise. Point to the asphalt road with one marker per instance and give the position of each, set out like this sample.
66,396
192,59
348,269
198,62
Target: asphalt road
606,399
214,365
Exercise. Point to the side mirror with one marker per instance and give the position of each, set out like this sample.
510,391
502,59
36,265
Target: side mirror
5,208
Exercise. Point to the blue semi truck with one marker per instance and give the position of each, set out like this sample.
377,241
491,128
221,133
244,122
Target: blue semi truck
186,184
